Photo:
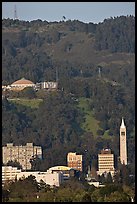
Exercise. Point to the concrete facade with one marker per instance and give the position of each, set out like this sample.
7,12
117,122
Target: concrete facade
52,179
21,154
106,162
74,161
123,143
9,173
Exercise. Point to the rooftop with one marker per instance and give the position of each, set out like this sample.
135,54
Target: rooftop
22,81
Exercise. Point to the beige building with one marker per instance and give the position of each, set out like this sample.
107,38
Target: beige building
123,144
106,162
9,173
47,85
21,84
74,161
65,170
51,178
22,154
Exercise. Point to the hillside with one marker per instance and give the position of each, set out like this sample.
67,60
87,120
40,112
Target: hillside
69,46
90,124
94,64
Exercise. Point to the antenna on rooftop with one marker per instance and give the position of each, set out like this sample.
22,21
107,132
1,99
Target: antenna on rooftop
15,12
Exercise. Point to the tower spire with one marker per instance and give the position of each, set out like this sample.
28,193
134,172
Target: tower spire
123,143
122,123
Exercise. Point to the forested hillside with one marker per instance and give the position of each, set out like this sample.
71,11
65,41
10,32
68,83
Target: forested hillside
95,63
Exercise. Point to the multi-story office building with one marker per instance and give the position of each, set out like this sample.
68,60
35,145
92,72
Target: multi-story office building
21,154
74,161
106,162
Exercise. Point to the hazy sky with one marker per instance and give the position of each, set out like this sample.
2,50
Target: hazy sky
94,12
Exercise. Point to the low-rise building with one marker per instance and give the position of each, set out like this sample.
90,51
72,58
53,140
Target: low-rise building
9,173
47,85
50,178
65,170
20,84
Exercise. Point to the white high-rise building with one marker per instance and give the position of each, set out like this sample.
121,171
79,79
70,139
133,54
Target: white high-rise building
123,143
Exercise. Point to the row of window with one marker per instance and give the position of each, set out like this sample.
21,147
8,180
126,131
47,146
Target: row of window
106,162
105,169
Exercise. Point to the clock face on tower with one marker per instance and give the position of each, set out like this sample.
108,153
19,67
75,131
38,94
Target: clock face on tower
123,133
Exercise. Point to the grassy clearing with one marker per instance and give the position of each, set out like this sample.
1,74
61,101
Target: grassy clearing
32,103
106,135
90,124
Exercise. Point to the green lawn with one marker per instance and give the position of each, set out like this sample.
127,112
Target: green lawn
32,103
106,135
90,124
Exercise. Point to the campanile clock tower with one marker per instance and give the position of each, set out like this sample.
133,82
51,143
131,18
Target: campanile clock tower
123,143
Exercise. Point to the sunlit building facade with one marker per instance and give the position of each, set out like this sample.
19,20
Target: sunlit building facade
106,162
75,161
21,154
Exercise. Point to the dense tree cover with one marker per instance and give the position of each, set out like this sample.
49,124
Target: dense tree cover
33,49
14,164
72,190
55,125
116,34
38,49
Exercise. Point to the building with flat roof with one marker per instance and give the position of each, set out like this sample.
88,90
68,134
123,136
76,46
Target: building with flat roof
47,85
65,170
50,178
106,162
21,154
10,173
75,161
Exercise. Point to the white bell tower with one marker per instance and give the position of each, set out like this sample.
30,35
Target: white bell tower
123,143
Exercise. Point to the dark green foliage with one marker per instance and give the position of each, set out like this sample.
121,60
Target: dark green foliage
28,93
116,34
70,191
36,50
14,164
19,189
36,163
5,195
